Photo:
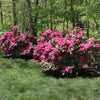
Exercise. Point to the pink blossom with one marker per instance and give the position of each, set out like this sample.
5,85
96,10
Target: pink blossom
67,35
49,47
89,52
42,57
57,47
55,50
71,44
47,32
1,38
3,44
92,57
53,57
26,51
97,45
82,59
18,31
59,58
5,49
42,38
78,41
73,39
50,53
88,61
15,44
55,32
86,46
82,32
15,27
68,50
91,44
81,45
51,36
52,68
67,68
62,71
75,33
52,62
79,36
57,67
71,34
9,47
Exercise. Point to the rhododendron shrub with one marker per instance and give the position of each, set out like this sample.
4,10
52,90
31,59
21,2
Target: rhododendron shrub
16,43
65,52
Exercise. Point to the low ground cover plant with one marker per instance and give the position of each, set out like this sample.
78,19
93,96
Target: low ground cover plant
16,44
65,52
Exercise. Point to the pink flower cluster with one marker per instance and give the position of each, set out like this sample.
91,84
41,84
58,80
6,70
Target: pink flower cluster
64,49
16,43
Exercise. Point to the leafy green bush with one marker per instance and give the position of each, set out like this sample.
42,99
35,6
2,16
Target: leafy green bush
15,43
65,52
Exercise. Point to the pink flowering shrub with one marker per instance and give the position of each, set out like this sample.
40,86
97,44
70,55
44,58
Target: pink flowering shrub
65,52
16,43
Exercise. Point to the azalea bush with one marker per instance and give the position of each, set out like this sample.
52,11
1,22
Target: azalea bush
65,52
16,44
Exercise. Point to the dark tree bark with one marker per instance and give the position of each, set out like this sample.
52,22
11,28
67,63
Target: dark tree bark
79,24
31,26
66,12
14,12
1,13
36,17
73,19
51,16
31,23
88,28
97,25
24,18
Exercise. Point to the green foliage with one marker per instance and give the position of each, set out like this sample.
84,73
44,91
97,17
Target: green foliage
55,14
16,43
66,52
4,28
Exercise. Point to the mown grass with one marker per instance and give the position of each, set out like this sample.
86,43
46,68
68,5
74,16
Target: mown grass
23,80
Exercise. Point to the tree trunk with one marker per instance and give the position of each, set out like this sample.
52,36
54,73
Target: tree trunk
67,23
14,12
73,19
97,25
88,28
51,15
35,19
31,26
1,13
24,18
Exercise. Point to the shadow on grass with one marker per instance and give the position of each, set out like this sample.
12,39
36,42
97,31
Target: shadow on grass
83,74
56,74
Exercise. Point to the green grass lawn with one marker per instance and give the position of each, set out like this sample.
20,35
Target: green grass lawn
27,82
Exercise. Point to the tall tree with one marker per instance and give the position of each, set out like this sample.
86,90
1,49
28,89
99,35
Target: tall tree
31,24
14,12
1,13
51,14
72,12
